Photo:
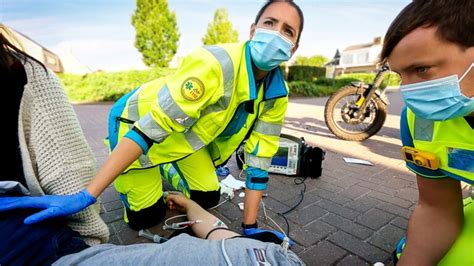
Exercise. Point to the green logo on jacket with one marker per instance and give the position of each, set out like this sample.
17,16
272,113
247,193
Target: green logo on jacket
192,89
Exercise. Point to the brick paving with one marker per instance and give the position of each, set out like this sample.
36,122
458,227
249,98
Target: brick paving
352,215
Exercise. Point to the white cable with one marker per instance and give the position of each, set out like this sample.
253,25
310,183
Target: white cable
285,244
264,209
174,217
240,175
241,171
268,217
219,204
224,252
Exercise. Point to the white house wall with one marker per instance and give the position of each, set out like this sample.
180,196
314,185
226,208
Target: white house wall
354,54
375,53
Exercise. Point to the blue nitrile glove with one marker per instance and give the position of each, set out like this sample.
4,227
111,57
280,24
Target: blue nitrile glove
400,247
249,232
51,205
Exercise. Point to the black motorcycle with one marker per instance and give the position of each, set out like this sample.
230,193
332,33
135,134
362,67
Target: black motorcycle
357,111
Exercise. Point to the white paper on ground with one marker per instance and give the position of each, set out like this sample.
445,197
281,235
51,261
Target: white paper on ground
357,161
227,190
230,181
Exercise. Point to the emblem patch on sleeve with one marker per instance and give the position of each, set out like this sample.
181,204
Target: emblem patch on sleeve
192,89
461,159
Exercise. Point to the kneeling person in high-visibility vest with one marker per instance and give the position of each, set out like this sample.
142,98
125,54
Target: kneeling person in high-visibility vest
192,121
182,126
431,45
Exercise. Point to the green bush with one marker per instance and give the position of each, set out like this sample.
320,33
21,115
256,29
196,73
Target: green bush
364,77
390,79
305,73
107,86
325,87
307,88
338,82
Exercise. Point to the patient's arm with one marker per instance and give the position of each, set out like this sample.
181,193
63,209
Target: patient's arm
195,212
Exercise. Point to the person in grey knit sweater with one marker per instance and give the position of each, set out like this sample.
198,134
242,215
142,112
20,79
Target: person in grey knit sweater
45,153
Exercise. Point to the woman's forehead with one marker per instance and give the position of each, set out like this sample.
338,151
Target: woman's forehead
283,11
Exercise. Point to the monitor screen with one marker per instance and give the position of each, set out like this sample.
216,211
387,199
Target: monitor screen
281,157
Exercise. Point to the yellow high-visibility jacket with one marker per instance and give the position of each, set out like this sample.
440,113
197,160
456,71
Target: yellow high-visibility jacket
452,141
211,102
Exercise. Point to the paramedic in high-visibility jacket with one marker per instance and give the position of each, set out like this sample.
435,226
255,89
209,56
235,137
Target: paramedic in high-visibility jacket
431,45
182,126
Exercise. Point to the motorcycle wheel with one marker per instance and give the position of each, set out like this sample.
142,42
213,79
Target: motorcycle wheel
340,110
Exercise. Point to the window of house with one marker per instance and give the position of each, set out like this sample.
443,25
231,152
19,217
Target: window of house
348,59
363,58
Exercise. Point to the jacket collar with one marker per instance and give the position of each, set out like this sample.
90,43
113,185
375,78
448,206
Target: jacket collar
274,82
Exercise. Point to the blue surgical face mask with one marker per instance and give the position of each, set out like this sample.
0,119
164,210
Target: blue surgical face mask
439,99
269,49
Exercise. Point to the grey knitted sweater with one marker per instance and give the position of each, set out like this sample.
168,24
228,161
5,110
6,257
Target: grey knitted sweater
55,153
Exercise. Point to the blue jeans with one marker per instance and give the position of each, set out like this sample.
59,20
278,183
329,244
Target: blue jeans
37,244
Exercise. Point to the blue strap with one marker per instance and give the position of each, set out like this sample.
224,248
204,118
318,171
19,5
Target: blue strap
257,179
138,139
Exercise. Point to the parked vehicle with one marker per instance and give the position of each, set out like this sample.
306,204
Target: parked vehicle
357,111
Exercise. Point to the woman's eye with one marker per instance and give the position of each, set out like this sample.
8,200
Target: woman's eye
268,22
289,33
422,69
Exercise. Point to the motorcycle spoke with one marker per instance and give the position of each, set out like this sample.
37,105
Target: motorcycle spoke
344,105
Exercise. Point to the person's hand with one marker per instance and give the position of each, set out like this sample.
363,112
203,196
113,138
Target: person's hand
51,205
265,235
176,201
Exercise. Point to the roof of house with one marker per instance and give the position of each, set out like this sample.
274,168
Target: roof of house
358,46
376,41
335,60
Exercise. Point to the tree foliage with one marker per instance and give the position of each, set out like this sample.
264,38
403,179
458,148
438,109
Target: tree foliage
220,30
157,32
316,60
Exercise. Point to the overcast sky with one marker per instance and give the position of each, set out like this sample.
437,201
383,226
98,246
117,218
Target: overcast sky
100,34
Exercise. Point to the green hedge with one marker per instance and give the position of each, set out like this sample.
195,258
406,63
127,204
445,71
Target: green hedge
338,82
305,73
307,88
390,79
107,86
325,87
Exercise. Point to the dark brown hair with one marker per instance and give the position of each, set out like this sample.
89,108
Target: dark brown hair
10,53
298,9
454,20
